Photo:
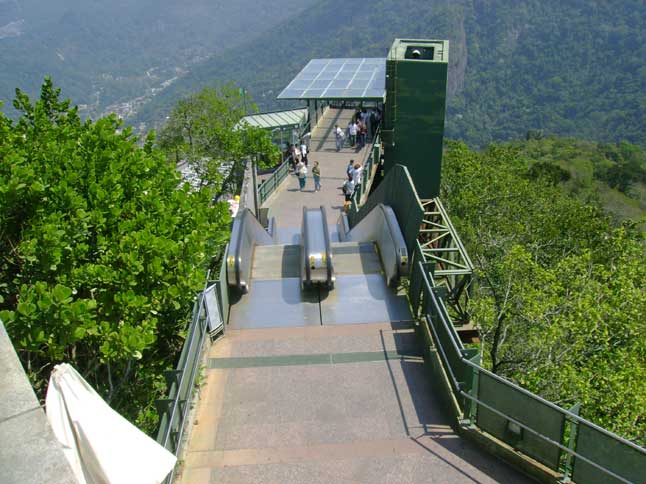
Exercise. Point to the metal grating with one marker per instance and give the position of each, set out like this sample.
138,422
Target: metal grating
363,78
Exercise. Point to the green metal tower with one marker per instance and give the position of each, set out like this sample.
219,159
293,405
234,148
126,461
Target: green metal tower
413,125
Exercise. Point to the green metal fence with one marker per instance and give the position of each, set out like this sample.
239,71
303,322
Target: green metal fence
525,421
174,409
270,184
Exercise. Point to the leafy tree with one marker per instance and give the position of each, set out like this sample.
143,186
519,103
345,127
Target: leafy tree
561,292
103,251
203,130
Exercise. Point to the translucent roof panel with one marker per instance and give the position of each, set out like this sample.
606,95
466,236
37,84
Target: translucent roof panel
276,119
339,79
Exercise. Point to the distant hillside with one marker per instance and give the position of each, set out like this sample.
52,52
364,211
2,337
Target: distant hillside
573,68
611,175
104,53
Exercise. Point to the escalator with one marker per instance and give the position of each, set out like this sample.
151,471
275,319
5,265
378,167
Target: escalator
317,281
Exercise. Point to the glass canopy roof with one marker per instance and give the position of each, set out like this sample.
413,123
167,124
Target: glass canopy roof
339,79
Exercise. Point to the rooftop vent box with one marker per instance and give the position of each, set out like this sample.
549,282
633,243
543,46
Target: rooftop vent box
419,52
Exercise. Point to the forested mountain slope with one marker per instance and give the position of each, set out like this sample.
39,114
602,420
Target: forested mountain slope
109,52
610,175
573,68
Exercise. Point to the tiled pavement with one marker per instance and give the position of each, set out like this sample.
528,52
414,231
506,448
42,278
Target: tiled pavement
328,404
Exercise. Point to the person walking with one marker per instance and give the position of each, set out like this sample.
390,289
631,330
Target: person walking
363,134
338,133
316,174
301,172
304,152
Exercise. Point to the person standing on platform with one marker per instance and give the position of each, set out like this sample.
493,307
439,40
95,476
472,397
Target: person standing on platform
316,174
357,177
338,133
348,170
304,152
363,134
301,172
348,191
352,130
297,154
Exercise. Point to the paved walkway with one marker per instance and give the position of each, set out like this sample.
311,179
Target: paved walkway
327,404
332,401
287,202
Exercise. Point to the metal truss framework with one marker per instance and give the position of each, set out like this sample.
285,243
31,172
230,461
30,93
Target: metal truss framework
449,262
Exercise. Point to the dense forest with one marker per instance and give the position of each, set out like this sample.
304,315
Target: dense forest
608,175
561,292
573,68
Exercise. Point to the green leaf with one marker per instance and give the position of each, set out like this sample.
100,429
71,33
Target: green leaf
61,293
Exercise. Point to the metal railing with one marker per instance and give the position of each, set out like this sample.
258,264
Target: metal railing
273,182
181,381
532,425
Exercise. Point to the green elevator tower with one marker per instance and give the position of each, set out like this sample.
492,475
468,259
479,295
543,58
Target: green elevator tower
413,124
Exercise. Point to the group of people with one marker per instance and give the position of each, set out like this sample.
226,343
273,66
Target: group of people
299,162
297,153
352,185
362,125
301,172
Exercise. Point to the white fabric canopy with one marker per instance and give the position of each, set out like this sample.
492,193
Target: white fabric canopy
100,445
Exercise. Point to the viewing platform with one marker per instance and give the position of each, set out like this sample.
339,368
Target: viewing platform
324,386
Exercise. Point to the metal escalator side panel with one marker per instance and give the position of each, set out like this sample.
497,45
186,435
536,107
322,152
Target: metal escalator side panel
246,233
400,251
305,268
233,258
317,268
380,225
328,250
343,227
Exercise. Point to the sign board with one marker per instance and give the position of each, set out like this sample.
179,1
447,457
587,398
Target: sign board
215,320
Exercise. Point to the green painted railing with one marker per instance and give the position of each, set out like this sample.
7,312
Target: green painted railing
270,184
557,438
181,381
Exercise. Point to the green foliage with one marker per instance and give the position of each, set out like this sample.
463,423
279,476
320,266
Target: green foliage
561,293
103,251
204,130
612,175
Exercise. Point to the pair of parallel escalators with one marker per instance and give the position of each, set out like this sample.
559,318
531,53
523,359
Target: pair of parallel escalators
252,245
